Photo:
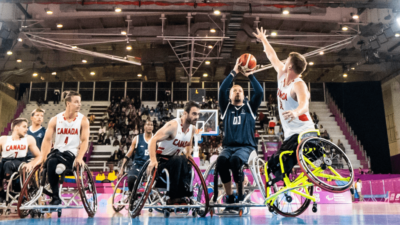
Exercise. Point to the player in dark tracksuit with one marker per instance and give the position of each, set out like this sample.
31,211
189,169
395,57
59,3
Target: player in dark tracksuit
239,116
139,152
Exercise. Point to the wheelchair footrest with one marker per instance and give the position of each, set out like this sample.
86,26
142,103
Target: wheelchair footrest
237,205
173,207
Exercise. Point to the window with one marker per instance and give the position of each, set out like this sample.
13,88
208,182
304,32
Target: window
118,89
148,91
180,91
50,90
133,90
38,91
163,88
86,91
101,91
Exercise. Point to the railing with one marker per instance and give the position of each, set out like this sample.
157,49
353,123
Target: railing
348,132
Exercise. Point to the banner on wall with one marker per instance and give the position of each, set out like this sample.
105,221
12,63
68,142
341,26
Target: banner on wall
272,147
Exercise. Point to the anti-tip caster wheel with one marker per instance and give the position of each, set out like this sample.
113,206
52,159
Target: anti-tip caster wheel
166,213
314,209
240,212
59,214
8,212
194,213
150,210
271,209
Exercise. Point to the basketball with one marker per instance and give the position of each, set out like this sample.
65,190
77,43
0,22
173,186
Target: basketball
248,62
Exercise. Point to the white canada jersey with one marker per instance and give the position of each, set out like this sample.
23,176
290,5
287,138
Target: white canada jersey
14,149
68,135
286,103
178,144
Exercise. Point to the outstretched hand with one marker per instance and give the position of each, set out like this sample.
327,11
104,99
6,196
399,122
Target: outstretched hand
236,68
261,34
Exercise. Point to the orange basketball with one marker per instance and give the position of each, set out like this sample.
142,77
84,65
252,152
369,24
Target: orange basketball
248,62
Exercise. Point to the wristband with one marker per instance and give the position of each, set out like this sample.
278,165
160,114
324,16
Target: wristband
126,157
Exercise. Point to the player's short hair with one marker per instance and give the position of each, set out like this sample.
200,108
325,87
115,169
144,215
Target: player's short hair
67,95
189,106
148,120
299,63
236,85
17,122
37,110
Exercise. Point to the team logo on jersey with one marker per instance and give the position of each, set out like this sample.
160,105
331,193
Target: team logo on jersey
282,95
15,147
233,112
70,131
141,146
180,143
40,135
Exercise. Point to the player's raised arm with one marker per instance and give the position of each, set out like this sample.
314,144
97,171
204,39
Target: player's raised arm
163,134
271,54
256,98
225,85
46,144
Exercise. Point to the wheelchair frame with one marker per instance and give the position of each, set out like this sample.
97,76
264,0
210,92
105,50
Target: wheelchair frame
70,202
12,201
162,197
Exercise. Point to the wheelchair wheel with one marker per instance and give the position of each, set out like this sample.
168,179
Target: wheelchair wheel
29,191
121,194
320,160
144,184
87,189
290,204
200,191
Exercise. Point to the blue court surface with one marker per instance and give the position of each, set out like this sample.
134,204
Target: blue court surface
358,213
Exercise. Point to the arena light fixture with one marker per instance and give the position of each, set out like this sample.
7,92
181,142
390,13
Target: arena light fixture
352,68
139,75
274,33
285,12
19,60
397,35
54,73
311,63
84,61
59,25
345,75
355,16
212,30
123,32
117,10
205,74
74,47
128,47
92,73
321,53
42,78
217,12
210,46
207,62
20,39
48,11
344,28
35,74
9,52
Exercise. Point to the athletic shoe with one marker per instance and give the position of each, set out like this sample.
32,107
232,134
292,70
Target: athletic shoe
55,202
229,199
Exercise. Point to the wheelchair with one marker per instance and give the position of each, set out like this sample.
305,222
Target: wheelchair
36,193
146,194
16,181
121,194
315,157
255,165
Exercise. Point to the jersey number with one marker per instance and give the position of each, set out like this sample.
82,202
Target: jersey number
16,153
66,140
146,152
236,120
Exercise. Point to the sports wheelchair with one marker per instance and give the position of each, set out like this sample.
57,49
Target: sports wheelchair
292,196
16,181
155,195
36,193
121,194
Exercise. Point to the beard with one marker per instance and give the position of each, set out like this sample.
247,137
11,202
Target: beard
237,99
190,121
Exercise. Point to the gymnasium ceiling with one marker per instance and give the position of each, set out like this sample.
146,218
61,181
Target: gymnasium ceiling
369,52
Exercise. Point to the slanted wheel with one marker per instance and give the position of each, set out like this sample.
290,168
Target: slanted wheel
321,160
143,184
87,189
200,190
121,194
29,191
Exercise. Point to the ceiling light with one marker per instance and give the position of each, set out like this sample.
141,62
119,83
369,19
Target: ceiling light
321,52
397,35
54,73
285,12
398,20
208,62
345,28
139,75
118,10
355,16
205,75
35,74
74,47
210,46
274,34
84,61
92,73
59,25
217,12
311,63
20,39
123,32
42,78
213,30
352,68
9,52
128,47
345,75
48,11
19,60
